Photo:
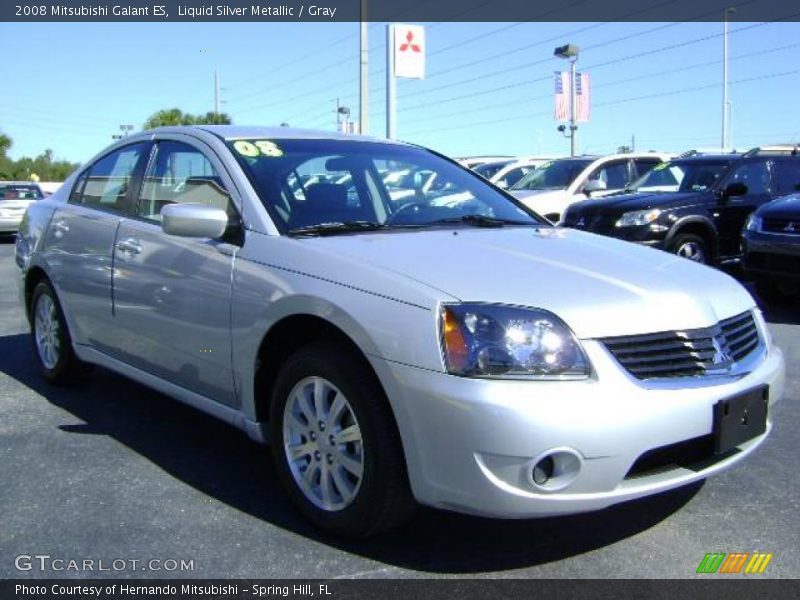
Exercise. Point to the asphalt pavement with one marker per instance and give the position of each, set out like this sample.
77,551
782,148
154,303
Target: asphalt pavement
112,471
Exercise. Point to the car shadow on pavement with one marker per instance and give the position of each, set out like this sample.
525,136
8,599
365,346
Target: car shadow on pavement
224,464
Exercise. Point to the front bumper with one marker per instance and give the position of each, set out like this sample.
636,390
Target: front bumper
470,444
771,256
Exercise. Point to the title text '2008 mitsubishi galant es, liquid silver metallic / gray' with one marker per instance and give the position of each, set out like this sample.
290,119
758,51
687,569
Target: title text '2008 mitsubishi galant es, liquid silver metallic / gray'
433,343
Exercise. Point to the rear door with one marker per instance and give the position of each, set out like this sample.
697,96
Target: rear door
731,213
172,295
79,241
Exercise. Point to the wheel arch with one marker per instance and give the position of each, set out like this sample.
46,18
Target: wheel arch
698,226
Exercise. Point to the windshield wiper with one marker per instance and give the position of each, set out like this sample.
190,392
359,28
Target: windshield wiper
480,221
335,228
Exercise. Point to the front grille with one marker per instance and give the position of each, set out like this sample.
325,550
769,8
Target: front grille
694,352
785,226
695,454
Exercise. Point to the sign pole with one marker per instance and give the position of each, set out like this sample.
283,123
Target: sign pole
391,82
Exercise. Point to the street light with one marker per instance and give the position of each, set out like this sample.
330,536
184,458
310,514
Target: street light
570,52
725,104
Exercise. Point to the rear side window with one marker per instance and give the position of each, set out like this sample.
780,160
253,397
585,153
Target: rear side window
108,180
787,177
755,175
180,174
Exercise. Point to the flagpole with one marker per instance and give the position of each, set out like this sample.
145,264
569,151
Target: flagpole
573,128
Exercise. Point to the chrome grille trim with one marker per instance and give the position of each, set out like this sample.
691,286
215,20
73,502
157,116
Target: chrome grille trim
695,352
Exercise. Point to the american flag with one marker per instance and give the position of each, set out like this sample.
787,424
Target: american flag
562,96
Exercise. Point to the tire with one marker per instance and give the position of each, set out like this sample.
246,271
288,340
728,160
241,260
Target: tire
323,479
691,247
777,294
52,343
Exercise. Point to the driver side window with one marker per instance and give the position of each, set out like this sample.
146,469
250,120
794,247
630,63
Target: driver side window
179,173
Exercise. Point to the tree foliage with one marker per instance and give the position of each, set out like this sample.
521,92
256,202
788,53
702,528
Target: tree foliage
175,116
45,166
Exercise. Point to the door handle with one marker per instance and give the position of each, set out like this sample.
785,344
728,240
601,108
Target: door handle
130,246
60,227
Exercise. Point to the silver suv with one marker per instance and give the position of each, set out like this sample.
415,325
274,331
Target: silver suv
449,347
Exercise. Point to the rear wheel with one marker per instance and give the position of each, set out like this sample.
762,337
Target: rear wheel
336,445
693,247
51,339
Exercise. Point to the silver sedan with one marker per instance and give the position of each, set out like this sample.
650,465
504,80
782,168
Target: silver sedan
452,349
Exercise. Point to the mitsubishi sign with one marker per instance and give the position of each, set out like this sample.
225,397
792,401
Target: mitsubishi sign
409,51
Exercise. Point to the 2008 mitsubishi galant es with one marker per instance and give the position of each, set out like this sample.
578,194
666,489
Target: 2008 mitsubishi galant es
445,346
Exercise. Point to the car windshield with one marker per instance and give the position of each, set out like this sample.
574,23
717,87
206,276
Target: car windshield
20,192
681,176
554,175
488,170
340,186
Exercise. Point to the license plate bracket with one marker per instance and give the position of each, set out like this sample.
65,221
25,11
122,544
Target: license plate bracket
740,418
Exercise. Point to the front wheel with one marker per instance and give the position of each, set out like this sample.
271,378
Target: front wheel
51,339
693,247
336,445
777,293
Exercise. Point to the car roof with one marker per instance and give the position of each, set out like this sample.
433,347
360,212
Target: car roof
239,132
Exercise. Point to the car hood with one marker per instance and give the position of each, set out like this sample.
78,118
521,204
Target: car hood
787,207
600,286
628,202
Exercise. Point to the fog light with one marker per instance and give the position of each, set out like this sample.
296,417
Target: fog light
543,470
554,469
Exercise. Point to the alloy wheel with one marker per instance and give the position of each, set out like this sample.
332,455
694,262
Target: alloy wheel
323,445
47,331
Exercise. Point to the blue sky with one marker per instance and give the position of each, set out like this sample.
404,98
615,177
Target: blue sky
68,86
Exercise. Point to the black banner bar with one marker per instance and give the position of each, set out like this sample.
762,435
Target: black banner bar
724,588
412,11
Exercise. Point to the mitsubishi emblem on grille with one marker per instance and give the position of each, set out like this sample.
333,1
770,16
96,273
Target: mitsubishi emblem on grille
722,357
790,227
581,222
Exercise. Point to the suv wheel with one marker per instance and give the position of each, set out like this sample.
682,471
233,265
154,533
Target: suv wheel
690,246
51,339
336,445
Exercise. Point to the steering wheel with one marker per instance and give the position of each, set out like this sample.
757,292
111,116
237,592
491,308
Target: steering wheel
412,208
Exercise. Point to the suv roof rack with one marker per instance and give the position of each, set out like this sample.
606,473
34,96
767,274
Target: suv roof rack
791,149
703,151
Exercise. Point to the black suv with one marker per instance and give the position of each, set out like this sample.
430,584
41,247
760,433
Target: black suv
695,205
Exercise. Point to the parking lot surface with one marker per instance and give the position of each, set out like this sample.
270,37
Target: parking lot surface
111,471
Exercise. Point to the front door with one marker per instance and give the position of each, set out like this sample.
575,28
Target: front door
172,294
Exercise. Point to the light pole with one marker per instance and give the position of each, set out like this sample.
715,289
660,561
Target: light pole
570,52
725,104
125,129
363,101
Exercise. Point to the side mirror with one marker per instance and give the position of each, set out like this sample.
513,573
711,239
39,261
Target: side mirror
502,184
193,220
737,188
594,185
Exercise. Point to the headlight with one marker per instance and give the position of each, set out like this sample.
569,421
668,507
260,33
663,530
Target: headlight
753,223
637,218
485,340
